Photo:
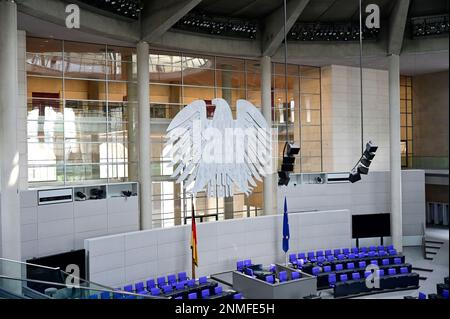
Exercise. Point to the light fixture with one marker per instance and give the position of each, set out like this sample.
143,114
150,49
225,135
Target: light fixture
362,166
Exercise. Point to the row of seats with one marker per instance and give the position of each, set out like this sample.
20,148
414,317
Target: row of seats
332,278
320,257
351,265
441,292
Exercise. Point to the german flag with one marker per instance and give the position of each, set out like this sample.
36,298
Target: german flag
194,238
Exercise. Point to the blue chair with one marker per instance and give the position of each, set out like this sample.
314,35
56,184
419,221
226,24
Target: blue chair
321,259
161,281
310,255
392,252
155,291
367,273
382,253
319,253
247,263
339,267
380,272
336,252
179,298
404,270
385,262
332,279
328,252
371,254
218,290
362,264
270,279
346,251
422,296
351,256
330,258
364,249
327,268
361,255
374,262
381,248
292,257
190,283
341,257
192,295
171,279
390,247
205,293
150,283
282,276
182,276
391,272
179,286
167,289
356,276
202,280
295,275
105,295
343,277
316,271
445,293
249,272
240,265
372,248
128,288
237,296
397,261
93,297
139,287
350,266
301,256
355,250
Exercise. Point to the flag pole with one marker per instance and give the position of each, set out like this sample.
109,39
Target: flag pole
192,243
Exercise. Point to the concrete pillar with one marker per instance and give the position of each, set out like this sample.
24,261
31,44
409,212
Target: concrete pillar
269,191
145,177
228,202
133,114
395,155
9,152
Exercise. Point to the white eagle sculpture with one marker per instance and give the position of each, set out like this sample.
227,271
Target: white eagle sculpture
214,155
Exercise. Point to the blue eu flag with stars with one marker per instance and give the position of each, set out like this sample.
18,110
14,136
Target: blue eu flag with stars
285,228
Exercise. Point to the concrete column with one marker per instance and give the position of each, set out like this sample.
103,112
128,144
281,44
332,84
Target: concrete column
269,191
9,152
228,202
145,177
395,155
132,109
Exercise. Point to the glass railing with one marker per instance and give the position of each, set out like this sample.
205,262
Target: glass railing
19,280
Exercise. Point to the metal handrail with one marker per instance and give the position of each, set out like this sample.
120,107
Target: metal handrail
66,286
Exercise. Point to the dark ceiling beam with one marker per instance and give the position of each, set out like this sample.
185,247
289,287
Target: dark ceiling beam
244,8
55,11
273,34
159,16
397,24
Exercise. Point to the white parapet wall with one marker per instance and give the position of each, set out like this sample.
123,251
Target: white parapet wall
370,195
131,257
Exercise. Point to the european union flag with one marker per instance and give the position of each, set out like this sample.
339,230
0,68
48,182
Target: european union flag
285,228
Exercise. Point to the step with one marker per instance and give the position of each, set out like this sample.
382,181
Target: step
434,242
431,252
432,247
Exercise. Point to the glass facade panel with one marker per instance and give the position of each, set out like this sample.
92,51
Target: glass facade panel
406,120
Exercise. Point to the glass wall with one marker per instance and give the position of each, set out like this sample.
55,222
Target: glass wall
82,117
79,99
406,123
